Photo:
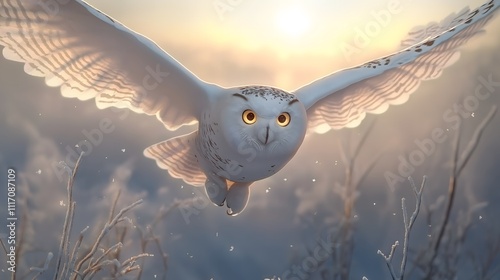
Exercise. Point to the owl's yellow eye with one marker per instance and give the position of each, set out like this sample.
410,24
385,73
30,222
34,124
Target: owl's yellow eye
283,119
249,117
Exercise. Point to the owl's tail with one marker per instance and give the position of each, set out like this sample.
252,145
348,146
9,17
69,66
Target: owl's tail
178,156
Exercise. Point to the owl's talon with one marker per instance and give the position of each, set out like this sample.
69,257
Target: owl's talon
222,204
216,191
237,198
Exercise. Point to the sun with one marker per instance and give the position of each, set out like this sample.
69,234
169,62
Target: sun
292,22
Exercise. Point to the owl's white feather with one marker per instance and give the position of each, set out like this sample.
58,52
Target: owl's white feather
177,155
342,99
90,55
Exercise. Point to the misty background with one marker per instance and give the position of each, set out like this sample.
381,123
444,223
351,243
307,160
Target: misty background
290,211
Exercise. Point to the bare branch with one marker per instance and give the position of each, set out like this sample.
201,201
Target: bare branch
388,259
107,227
68,221
408,224
455,173
45,267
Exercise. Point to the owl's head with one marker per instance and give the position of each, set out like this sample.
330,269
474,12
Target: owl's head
268,120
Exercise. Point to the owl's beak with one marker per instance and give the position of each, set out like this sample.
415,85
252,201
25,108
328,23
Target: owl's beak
265,135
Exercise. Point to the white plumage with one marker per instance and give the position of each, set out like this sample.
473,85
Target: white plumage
244,134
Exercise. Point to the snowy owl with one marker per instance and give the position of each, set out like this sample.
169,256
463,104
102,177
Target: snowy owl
245,133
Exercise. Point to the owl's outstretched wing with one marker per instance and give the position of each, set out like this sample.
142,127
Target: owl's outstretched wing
342,99
90,55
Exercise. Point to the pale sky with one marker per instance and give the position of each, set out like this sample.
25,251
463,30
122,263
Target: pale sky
311,37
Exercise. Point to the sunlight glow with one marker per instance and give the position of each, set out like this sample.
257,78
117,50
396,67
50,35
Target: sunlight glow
293,22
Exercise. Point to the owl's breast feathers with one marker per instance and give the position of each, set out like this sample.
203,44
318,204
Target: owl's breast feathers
208,144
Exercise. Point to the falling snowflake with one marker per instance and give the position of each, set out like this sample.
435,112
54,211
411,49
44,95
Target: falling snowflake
39,172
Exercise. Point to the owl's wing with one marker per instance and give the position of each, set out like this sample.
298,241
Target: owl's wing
90,55
343,98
